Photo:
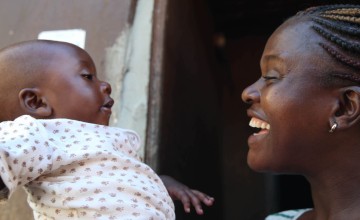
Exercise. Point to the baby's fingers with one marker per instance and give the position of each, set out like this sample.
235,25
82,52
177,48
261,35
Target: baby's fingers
188,198
207,200
185,200
196,202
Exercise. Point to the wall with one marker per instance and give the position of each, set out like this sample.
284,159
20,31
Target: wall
131,89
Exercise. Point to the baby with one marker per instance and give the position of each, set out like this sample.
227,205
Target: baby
55,141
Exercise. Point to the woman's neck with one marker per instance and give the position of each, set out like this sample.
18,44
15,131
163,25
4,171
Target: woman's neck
336,194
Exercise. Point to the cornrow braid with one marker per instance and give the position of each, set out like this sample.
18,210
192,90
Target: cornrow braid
343,18
344,11
344,43
343,58
340,26
323,9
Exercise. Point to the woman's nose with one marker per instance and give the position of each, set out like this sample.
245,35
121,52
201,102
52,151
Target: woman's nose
251,94
105,87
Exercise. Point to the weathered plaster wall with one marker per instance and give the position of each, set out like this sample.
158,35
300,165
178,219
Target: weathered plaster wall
133,49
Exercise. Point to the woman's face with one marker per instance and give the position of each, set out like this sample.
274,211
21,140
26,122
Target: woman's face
288,103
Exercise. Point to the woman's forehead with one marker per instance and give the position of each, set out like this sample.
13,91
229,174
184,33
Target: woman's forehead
295,47
293,37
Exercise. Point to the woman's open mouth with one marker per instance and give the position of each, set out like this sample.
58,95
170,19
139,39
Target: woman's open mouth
262,125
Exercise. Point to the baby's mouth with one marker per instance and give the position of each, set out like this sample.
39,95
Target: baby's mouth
106,108
258,123
109,103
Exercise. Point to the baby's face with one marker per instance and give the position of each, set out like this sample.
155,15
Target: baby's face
72,88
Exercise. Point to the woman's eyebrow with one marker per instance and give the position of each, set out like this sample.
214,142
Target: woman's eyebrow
272,60
271,57
268,58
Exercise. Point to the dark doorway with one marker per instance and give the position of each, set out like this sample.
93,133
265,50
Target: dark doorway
190,122
211,53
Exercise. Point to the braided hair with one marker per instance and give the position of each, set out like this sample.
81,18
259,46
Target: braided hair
340,26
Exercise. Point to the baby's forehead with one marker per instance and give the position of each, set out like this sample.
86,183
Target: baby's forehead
72,52
61,49
34,58
66,54
42,48
33,55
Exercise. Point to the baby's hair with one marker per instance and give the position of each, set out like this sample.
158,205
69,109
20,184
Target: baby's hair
340,26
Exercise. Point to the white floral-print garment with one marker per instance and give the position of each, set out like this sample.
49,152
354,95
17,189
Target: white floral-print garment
77,170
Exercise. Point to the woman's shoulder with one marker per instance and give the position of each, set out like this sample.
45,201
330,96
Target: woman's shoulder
287,215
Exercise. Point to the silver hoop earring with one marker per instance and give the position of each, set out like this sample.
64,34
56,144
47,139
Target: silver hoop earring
333,127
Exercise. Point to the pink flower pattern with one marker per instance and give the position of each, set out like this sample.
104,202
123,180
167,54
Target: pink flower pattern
77,170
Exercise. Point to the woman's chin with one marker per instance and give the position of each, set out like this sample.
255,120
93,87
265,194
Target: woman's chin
262,165
256,165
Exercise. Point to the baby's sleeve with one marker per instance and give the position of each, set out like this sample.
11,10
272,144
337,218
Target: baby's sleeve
133,138
25,151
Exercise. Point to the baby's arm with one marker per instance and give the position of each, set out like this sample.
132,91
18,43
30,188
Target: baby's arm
187,196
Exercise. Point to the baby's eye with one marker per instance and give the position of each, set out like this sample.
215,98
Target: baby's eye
87,76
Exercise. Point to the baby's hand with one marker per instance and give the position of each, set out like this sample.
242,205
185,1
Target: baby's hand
179,191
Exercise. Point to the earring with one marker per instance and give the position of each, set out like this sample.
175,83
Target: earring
333,127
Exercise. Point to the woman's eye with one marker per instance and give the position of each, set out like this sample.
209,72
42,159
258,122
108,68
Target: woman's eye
267,78
87,76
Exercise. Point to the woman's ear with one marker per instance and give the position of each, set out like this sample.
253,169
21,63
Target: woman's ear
347,112
33,103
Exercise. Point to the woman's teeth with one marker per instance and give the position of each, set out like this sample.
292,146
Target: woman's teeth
257,123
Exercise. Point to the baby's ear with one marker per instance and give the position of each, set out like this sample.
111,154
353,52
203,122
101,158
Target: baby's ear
33,103
348,112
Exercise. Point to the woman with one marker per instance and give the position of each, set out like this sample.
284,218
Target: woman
307,107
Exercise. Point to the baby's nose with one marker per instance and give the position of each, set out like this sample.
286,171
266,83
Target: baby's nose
106,87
